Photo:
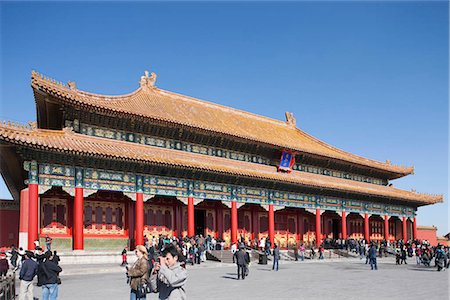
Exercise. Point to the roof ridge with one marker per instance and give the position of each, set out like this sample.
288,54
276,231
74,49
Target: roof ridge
31,125
223,107
71,86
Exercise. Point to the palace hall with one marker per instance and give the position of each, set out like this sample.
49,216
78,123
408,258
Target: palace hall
101,172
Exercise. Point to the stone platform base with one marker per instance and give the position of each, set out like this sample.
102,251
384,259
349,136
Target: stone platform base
82,257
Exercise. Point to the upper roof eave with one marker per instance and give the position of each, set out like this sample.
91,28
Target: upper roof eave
66,141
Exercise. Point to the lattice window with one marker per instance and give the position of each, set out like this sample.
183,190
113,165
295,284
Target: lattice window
241,219
98,217
119,216
291,225
159,218
48,214
60,216
226,222
247,222
108,218
281,222
53,216
264,223
151,217
210,221
167,219
88,217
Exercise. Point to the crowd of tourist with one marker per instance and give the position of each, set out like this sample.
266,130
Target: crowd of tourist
161,262
39,263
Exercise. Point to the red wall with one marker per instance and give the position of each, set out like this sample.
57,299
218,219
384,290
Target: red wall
9,227
427,234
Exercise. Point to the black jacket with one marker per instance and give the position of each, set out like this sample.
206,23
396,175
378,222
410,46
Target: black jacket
48,273
241,257
29,270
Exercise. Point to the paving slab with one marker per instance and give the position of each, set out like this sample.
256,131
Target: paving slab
339,279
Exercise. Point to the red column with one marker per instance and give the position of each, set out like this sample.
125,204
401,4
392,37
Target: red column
344,225
414,229
139,227
318,231
33,215
405,237
234,222
366,227
271,224
191,222
78,220
23,219
386,227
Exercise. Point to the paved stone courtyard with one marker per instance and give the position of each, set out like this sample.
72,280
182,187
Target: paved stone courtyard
344,279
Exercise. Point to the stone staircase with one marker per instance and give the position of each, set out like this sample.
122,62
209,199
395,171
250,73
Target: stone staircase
224,256
344,253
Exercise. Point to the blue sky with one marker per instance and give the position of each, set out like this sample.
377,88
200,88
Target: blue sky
367,77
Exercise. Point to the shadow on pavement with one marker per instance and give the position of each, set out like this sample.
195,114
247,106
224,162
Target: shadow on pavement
229,277
424,269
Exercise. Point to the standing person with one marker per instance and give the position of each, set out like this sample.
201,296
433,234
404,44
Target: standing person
367,254
295,249
49,272
22,258
441,258
233,251
4,266
262,243
56,258
403,255
202,250
321,251
302,252
268,245
14,256
151,255
48,243
196,254
276,257
373,257
124,256
146,241
213,243
36,244
242,260
168,277
27,273
138,273
418,254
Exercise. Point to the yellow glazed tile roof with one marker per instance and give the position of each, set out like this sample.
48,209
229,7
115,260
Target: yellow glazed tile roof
69,142
151,103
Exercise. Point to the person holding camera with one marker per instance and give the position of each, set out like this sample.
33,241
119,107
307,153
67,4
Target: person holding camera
168,277
138,273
